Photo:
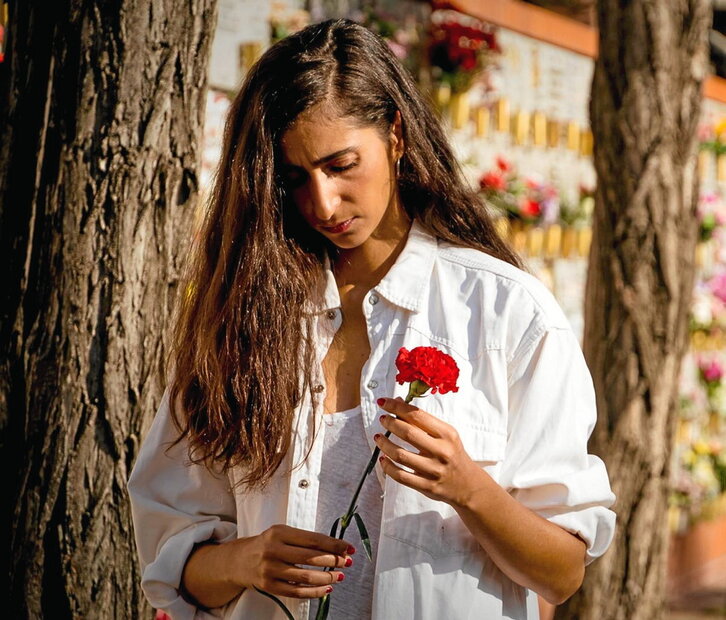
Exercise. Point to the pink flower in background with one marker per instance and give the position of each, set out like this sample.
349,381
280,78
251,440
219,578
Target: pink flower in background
705,133
717,284
398,50
711,370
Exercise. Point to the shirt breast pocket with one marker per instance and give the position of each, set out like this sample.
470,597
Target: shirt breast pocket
433,527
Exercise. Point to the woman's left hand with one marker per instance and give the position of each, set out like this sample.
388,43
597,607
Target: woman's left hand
441,470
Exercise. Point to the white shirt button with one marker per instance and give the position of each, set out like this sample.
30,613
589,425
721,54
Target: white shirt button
331,314
303,484
372,384
318,388
373,300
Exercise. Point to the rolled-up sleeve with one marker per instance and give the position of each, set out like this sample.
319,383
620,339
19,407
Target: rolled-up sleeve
552,412
175,504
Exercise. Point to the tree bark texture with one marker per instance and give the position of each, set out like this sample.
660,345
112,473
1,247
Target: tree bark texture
645,105
101,105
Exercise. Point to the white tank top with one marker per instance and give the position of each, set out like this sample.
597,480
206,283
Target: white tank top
345,455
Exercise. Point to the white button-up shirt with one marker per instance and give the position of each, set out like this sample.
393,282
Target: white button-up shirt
524,411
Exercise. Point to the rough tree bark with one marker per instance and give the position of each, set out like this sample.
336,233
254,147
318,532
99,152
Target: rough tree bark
101,105
645,104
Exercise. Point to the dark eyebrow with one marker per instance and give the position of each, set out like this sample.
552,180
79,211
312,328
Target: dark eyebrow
327,158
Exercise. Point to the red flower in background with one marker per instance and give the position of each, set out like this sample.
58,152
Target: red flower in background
503,164
493,180
428,365
530,208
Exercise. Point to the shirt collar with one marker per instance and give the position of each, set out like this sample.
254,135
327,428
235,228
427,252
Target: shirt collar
406,282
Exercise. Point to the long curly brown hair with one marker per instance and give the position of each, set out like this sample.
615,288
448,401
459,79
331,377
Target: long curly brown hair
242,349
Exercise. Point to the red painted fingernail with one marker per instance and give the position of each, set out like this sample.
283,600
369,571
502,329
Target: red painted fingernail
341,576
376,436
351,550
381,459
380,401
349,561
329,589
383,417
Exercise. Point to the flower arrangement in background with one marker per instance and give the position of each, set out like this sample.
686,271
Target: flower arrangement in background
711,215
710,373
399,39
529,199
699,477
460,49
284,20
699,460
713,137
579,212
706,462
708,311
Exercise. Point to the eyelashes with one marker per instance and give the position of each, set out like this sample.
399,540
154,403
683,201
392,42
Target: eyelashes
294,180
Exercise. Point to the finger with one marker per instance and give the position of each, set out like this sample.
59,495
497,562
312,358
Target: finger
312,540
312,557
412,480
283,588
414,435
420,464
425,421
310,577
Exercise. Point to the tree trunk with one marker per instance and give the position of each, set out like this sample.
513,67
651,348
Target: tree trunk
101,105
645,105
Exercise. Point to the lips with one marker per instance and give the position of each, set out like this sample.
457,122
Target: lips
339,228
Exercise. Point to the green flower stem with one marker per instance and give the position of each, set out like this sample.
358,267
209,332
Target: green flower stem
414,390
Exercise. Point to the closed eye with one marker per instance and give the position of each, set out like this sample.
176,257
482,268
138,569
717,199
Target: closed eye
296,177
344,168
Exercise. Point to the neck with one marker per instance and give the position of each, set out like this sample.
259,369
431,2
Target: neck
364,267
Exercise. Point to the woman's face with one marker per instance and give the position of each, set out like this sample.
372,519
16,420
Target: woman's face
342,177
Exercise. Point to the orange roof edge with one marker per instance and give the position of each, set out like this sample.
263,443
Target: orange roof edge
543,25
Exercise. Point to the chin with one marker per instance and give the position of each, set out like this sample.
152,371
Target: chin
346,244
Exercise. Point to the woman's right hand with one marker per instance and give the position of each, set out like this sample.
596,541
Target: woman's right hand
282,560
276,560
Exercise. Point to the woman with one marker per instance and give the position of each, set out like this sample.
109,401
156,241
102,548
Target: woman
339,231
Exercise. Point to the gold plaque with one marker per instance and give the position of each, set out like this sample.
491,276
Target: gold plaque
553,240
584,239
459,109
520,127
586,142
482,121
502,114
535,241
539,129
721,168
553,133
573,136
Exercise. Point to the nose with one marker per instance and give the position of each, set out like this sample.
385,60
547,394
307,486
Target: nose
324,197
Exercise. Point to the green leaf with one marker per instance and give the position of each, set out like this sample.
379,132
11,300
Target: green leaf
278,601
323,607
365,538
334,529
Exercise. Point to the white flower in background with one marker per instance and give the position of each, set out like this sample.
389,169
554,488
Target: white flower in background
701,310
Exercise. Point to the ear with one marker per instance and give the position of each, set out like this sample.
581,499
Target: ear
396,137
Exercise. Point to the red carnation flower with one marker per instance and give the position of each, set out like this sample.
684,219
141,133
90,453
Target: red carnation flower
428,365
503,164
493,180
530,208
